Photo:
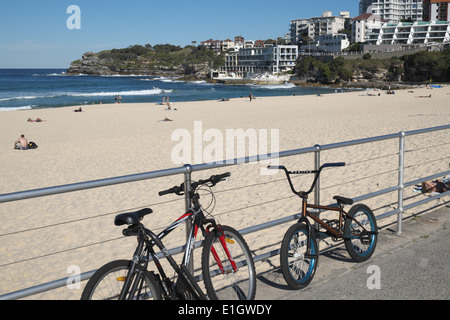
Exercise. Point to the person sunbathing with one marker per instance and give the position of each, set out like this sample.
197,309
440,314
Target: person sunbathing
438,186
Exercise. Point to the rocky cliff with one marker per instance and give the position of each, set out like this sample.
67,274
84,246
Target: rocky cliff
163,60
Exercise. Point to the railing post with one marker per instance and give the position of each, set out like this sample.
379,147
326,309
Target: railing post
187,201
401,168
317,167
317,188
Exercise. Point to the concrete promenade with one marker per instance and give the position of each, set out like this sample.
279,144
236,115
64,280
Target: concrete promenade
412,265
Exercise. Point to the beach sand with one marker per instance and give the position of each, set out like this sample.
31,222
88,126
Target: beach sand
43,238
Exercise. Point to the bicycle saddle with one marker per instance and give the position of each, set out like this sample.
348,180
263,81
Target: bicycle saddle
131,218
342,200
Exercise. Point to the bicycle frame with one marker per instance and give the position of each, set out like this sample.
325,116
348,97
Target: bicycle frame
305,205
336,234
149,239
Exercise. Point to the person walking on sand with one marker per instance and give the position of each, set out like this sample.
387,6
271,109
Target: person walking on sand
21,143
250,96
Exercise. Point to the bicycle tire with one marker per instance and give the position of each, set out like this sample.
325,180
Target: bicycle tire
107,282
228,285
298,267
357,249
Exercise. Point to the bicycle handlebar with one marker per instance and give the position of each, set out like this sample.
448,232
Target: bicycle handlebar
179,190
317,172
335,164
325,165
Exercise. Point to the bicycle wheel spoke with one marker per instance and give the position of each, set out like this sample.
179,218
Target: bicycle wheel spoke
298,265
237,280
361,230
108,281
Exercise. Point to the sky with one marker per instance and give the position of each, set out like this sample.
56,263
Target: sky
45,34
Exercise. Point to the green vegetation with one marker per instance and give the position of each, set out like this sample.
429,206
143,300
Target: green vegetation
418,67
341,69
162,59
166,55
423,66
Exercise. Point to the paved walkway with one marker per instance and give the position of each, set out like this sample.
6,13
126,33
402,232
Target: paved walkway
412,265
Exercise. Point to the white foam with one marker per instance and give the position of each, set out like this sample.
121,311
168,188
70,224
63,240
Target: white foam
19,98
275,86
17,108
149,92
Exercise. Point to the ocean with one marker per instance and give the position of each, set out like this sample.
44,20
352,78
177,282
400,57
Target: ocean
22,89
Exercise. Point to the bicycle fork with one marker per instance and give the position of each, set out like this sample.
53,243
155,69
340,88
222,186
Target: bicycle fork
223,241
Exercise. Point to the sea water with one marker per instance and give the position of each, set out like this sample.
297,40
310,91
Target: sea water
52,88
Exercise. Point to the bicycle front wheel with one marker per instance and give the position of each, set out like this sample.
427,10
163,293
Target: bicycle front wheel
297,264
225,278
107,283
360,243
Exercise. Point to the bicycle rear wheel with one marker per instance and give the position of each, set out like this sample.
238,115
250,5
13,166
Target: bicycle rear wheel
221,281
360,246
107,283
297,264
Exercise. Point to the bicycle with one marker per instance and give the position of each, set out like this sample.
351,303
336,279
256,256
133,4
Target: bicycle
227,265
299,251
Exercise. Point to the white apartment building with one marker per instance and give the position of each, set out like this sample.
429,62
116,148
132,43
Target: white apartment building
363,25
394,11
314,27
420,32
250,61
228,45
332,42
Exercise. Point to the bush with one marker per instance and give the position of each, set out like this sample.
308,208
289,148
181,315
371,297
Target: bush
423,66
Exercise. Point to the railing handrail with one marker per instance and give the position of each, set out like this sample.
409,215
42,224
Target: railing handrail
188,169
16,196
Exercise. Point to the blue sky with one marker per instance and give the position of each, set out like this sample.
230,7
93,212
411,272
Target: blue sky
34,33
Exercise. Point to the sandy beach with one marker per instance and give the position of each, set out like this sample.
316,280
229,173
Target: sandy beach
43,237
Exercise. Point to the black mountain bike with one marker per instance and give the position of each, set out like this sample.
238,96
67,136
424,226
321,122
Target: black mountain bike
228,269
299,252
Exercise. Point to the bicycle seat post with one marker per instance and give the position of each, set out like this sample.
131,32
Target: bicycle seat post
304,196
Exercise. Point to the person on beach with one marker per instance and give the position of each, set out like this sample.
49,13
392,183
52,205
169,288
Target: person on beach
438,186
250,95
21,143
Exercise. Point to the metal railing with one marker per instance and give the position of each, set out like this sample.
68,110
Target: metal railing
188,169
